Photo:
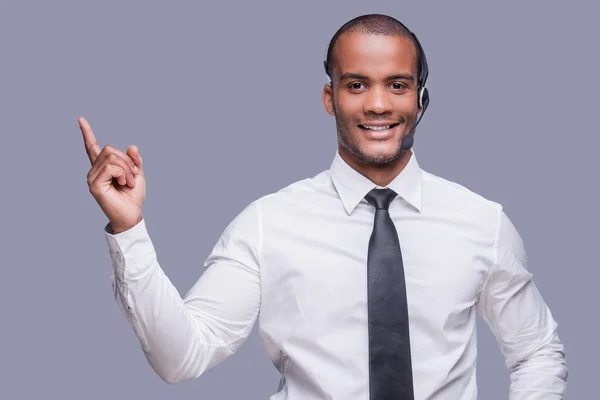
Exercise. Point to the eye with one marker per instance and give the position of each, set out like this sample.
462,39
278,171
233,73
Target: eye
398,86
356,86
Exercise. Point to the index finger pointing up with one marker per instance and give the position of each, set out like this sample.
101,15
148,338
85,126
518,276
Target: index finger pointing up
92,147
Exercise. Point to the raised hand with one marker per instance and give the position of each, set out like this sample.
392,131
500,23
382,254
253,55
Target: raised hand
116,180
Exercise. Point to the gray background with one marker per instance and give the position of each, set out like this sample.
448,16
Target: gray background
224,101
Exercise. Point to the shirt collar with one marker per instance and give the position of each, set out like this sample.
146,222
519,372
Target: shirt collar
352,186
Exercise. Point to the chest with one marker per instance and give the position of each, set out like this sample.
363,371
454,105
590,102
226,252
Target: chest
314,270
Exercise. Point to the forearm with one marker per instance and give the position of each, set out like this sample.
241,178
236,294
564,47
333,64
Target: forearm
542,375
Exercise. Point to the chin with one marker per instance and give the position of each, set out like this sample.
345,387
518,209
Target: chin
377,154
382,158
371,150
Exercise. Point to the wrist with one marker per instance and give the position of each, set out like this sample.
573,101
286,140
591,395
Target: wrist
117,228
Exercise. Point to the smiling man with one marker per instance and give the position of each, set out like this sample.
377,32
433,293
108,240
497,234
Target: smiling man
365,279
375,101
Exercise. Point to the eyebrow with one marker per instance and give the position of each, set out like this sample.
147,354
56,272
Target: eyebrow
349,75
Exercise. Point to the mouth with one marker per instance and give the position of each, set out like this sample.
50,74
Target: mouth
379,131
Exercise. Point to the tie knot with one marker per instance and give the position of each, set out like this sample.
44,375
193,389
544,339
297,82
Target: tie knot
381,198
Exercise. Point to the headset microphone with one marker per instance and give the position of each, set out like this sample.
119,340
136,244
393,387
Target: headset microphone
408,140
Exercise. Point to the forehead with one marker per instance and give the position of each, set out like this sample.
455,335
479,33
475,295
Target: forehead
371,54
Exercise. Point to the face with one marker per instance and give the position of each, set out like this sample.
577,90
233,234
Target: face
374,96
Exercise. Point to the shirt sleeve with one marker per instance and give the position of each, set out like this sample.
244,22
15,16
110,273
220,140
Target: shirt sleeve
183,337
522,322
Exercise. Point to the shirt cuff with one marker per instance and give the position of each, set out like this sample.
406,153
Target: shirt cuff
131,251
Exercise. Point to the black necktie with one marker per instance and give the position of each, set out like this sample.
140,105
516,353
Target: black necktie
389,345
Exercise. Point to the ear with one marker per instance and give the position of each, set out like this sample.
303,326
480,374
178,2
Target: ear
328,99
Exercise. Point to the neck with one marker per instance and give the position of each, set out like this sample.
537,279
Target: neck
381,175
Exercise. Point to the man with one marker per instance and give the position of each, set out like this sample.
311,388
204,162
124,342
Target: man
365,279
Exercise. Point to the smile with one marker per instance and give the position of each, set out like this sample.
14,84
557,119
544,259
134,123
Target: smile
378,127
379,132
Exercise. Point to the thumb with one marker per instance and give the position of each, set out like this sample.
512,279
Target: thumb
134,153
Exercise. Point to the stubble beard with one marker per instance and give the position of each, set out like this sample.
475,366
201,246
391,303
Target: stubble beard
353,147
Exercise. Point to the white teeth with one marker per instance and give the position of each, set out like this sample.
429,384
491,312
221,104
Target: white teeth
378,128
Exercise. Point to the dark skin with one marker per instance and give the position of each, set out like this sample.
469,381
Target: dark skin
375,82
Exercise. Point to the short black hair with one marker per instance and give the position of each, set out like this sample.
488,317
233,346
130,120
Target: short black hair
376,24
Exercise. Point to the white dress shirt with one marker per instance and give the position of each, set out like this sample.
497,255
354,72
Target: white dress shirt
296,262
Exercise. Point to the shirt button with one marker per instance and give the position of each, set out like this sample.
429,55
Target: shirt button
119,256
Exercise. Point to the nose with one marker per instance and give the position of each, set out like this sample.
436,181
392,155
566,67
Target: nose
377,101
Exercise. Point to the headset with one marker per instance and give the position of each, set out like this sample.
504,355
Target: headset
407,140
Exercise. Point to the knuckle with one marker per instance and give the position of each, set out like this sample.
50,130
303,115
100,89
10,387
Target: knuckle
89,177
92,183
112,157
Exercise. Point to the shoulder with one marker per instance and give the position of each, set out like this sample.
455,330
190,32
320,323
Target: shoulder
452,198
457,191
304,192
456,194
